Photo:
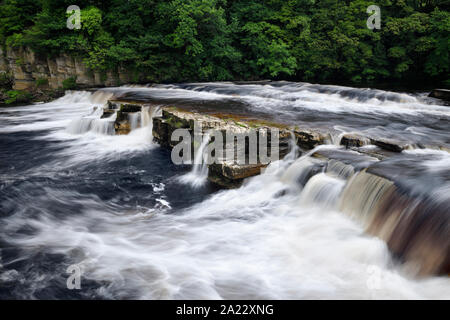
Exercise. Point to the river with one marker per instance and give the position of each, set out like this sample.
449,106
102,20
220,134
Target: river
73,193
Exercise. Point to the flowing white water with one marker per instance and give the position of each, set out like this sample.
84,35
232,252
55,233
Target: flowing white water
146,116
411,118
141,119
281,235
62,120
133,118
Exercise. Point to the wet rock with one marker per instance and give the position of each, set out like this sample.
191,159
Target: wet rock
307,139
390,145
232,175
130,108
161,132
443,94
228,173
122,124
356,160
353,140
107,113
122,127
112,105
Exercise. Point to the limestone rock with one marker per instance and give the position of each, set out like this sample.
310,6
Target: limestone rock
354,140
443,94
26,66
307,139
228,173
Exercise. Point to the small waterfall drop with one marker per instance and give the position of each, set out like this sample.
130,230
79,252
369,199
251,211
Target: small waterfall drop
199,173
143,118
307,228
414,227
134,120
101,96
93,123
147,115
322,189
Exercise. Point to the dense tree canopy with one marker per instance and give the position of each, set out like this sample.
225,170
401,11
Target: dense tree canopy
188,40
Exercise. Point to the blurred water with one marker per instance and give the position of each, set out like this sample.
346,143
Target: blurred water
115,206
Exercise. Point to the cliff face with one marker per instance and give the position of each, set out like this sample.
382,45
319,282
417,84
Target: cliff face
26,67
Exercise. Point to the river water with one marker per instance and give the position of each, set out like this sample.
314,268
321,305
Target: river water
72,193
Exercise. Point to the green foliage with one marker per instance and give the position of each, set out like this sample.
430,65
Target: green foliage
17,96
70,83
200,40
6,81
41,82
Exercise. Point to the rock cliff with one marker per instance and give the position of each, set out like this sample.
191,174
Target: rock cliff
28,67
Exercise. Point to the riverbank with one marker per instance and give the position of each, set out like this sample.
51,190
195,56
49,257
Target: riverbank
10,98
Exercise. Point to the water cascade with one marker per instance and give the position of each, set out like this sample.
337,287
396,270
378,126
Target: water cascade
308,227
133,118
199,173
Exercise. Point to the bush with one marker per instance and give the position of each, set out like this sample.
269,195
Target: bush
6,81
70,83
17,96
41,82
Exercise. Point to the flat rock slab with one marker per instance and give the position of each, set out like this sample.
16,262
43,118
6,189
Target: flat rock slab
443,94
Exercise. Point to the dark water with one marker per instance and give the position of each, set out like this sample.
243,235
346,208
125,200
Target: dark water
39,182
116,207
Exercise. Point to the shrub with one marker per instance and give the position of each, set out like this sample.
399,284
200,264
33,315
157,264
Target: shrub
17,96
6,81
70,83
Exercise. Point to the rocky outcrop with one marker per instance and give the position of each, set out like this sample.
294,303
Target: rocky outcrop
122,111
122,124
308,139
228,173
443,94
393,145
385,189
28,68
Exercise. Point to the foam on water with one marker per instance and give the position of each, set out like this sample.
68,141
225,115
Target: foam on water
255,242
281,235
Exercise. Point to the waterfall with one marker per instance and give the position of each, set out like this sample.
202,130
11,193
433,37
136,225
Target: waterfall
308,227
133,118
414,226
200,167
147,116
142,119
322,189
199,173
93,123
